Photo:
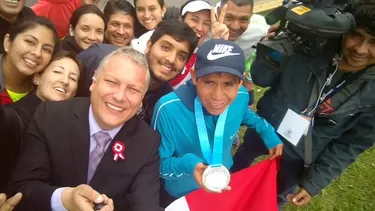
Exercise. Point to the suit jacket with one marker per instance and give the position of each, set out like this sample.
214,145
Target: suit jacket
14,119
55,154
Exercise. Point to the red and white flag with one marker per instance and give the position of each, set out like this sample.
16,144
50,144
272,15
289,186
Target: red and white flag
253,188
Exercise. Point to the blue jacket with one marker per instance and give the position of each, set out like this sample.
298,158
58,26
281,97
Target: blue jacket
180,148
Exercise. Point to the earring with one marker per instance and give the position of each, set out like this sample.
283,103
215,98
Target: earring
36,81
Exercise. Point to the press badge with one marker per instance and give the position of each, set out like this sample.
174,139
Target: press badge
293,126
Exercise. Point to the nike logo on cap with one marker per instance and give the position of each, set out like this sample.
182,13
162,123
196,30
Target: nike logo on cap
220,51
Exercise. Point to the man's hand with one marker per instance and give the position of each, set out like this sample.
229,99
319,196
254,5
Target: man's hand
8,205
300,199
272,31
275,152
83,198
218,29
198,175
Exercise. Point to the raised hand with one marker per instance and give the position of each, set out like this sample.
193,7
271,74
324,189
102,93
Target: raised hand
218,29
198,175
272,31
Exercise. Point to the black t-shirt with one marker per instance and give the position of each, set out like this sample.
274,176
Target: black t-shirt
69,44
151,99
26,12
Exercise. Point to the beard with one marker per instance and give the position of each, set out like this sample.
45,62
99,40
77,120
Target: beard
155,78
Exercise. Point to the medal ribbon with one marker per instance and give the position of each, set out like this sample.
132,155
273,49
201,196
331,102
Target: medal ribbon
214,156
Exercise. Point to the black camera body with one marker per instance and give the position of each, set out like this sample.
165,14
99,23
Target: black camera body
311,27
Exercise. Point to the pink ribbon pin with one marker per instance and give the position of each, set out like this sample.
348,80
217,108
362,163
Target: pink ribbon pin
118,148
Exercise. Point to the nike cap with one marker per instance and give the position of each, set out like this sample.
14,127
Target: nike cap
220,56
195,6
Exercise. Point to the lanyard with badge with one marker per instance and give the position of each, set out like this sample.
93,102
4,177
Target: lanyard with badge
328,93
216,177
293,126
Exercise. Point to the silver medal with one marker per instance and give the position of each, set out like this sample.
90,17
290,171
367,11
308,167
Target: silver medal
216,178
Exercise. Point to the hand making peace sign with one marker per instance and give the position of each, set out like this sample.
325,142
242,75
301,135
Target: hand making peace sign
218,29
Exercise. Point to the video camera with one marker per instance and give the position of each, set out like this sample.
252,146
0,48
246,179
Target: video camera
312,27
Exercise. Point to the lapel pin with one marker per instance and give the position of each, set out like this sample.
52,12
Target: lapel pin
118,148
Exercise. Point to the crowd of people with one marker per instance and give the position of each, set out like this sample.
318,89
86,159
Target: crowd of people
109,106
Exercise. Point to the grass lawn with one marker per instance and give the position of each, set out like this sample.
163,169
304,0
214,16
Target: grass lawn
354,190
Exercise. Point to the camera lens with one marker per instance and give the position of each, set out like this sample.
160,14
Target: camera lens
273,56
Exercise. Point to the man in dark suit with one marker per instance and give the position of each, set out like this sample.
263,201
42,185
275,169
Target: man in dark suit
98,141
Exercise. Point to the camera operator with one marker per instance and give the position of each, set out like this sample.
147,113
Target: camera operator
336,99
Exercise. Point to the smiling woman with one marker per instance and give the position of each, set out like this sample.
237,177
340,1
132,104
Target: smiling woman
196,13
10,12
61,78
87,26
28,47
59,81
150,12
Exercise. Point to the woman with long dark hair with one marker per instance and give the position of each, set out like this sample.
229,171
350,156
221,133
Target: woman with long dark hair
28,48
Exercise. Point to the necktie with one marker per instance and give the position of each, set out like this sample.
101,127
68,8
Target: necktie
101,138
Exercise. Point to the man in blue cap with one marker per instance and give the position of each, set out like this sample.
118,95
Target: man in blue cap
208,110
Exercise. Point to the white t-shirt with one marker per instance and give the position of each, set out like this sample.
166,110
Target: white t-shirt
140,44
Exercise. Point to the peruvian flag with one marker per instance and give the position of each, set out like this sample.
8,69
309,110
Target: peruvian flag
253,188
185,74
